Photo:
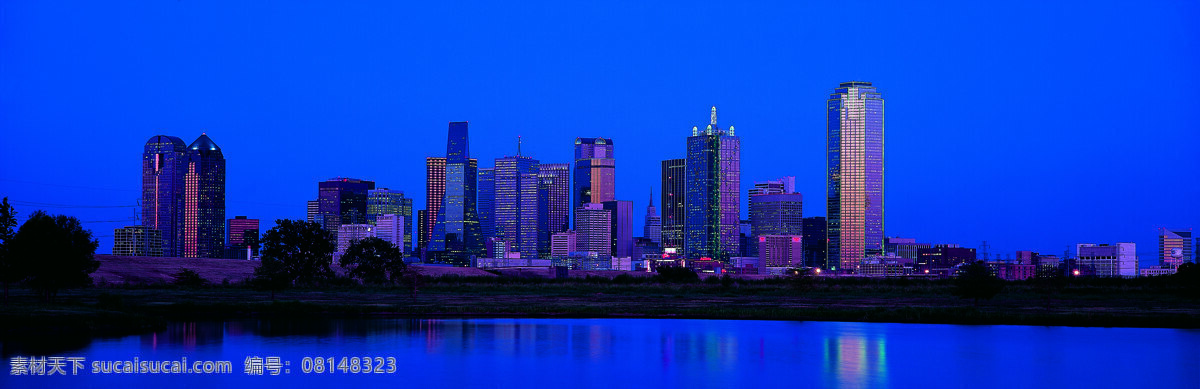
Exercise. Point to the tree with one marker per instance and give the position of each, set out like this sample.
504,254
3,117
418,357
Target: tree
188,277
374,261
271,275
1188,275
677,274
56,253
10,272
295,252
976,281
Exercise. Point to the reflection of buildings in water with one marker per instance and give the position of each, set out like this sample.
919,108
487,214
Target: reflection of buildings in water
855,359
185,334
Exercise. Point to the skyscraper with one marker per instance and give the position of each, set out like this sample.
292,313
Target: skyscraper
712,204
435,194
782,185
517,203
343,201
777,214
815,242
1174,246
652,227
672,203
854,158
487,203
621,227
204,200
385,201
456,232
595,172
162,190
593,230
236,231
554,203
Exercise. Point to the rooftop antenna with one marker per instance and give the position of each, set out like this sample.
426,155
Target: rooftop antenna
518,145
713,119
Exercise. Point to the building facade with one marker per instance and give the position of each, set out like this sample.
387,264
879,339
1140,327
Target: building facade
712,201
554,203
162,191
562,244
391,228
516,203
780,250
815,241
137,241
595,172
652,226
204,200
854,176
1105,260
343,201
593,230
237,231
456,235
350,233
777,214
435,194
1174,247
486,204
384,201
673,195
621,227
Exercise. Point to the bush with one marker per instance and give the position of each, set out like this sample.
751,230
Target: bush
677,275
189,278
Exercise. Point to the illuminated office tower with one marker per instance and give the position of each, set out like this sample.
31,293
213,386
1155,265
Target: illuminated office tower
652,227
672,203
782,185
854,158
435,193
237,231
314,209
456,234
487,203
162,191
554,203
712,203
593,230
516,185
204,200
390,228
595,172
343,201
384,201
1174,247
621,227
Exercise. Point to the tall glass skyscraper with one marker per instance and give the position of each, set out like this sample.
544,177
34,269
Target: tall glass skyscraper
456,233
854,158
204,200
712,205
672,203
554,203
162,190
595,172
517,203
435,194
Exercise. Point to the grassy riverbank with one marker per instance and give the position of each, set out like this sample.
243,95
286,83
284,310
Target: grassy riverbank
124,310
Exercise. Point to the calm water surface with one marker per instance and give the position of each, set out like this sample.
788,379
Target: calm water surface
618,353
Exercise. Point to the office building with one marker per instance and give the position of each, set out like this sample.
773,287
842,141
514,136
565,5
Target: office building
777,214
456,236
940,259
241,233
562,244
595,172
350,233
314,209
854,158
486,204
554,203
780,250
779,186
621,227
1104,260
1174,247
593,230
384,201
652,226
343,201
137,241
516,203
712,204
163,169
673,171
392,229
435,193
814,242
204,200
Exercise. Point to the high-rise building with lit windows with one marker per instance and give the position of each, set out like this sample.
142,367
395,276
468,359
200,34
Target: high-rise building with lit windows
384,201
343,201
237,231
162,191
1174,247
204,200
672,203
595,172
456,236
554,203
854,175
712,204
516,203
652,226
486,203
435,193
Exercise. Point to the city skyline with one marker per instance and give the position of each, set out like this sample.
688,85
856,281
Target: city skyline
983,168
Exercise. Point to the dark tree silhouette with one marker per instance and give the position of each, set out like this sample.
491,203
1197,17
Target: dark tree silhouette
188,277
976,281
56,253
295,253
676,274
374,261
10,272
1188,275
271,275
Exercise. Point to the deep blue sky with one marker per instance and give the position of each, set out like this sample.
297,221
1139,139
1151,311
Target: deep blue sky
1031,125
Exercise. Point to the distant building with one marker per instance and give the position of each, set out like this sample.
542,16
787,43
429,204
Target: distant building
621,227
487,203
643,247
163,168
350,233
652,226
673,195
854,157
712,205
1174,247
137,241
780,250
779,186
516,203
593,230
314,209
595,172
236,231
391,228
435,193
456,236
183,192
562,244
777,214
940,259
554,203
384,201
907,248
815,242
343,201
1116,260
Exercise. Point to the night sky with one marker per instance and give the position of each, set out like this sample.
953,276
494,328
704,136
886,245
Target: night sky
1031,125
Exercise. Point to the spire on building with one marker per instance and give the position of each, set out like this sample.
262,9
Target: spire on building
713,120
